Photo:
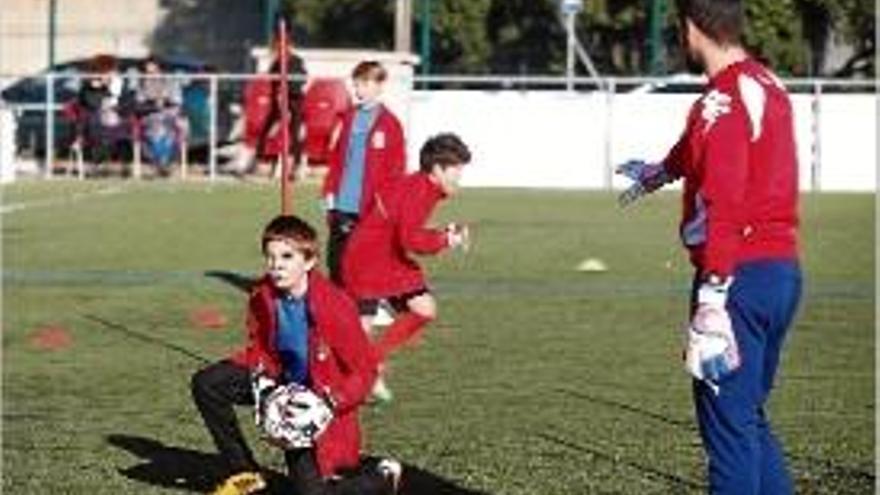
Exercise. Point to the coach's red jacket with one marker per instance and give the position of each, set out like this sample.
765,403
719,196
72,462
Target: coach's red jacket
377,262
340,365
385,158
738,160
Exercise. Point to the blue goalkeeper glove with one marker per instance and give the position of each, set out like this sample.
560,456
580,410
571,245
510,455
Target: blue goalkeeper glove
647,178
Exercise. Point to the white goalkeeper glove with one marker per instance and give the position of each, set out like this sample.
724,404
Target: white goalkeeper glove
458,236
294,417
711,352
647,177
262,387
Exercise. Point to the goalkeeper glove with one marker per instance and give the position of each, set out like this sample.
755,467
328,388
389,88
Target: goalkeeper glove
262,387
711,352
647,177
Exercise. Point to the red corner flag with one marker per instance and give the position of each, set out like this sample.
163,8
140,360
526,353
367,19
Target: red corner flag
284,54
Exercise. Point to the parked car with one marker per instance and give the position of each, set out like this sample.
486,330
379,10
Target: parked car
27,99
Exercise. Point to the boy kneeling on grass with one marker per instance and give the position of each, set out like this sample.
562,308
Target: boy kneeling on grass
306,367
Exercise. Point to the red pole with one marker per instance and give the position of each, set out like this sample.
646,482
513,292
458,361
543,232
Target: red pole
284,53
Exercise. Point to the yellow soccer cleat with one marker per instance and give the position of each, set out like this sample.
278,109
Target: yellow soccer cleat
241,484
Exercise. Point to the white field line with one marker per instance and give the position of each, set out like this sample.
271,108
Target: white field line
73,198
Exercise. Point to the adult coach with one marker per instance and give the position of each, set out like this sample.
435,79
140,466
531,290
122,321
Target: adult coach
740,224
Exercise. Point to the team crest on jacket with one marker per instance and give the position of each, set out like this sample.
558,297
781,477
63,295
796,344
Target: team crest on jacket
715,104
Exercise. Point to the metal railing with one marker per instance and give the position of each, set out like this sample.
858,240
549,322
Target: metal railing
225,92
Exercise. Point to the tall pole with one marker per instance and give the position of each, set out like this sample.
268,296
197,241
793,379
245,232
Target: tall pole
284,56
270,12
568,9
425,49
569,55
53,21
655,36
403,26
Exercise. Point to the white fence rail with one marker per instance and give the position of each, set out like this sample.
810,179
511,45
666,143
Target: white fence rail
531,132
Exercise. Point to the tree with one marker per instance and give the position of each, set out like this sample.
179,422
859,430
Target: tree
343,23
526,37
460,36
774,33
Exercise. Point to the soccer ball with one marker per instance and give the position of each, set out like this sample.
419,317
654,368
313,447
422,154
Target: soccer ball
293,417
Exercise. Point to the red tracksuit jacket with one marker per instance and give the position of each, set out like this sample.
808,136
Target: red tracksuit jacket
385,159
377,261
339,361
738,160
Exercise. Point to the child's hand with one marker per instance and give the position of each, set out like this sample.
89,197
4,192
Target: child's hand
458,236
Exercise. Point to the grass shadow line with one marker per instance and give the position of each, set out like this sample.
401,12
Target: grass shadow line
235,279
672,479
145,337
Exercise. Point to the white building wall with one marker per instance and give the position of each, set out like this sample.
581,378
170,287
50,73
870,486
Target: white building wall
558,140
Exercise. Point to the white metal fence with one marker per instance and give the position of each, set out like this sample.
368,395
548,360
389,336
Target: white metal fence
525,131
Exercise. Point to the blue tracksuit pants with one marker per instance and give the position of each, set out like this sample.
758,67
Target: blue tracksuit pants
745,458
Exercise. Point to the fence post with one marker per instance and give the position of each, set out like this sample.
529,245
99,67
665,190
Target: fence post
50,124
212,129
136,152
609,133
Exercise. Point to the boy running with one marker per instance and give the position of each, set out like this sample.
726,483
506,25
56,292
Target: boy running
379,264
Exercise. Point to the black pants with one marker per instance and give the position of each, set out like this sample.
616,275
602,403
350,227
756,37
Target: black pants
341,225
217,388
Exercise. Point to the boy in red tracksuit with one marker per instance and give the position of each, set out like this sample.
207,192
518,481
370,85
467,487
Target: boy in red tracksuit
301,328
740,224
368,152
378,263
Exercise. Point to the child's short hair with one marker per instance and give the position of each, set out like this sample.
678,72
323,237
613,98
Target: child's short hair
721,20
444,149
369,70
294,229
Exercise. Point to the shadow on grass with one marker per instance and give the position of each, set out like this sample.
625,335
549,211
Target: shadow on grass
237,280
673,479
167,466
194,471
687,424
146,337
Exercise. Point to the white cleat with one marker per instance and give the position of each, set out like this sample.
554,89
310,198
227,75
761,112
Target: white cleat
392,470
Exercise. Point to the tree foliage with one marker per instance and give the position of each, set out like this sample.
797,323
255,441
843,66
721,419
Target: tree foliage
527,37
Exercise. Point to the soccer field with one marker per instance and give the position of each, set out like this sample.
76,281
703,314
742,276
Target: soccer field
536,379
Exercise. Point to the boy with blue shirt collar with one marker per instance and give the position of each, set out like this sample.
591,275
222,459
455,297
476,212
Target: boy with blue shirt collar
367,152
300,328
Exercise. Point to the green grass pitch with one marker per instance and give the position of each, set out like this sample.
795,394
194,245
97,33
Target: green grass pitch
536,379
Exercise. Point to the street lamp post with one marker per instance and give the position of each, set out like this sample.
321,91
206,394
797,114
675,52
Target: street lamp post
570,9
